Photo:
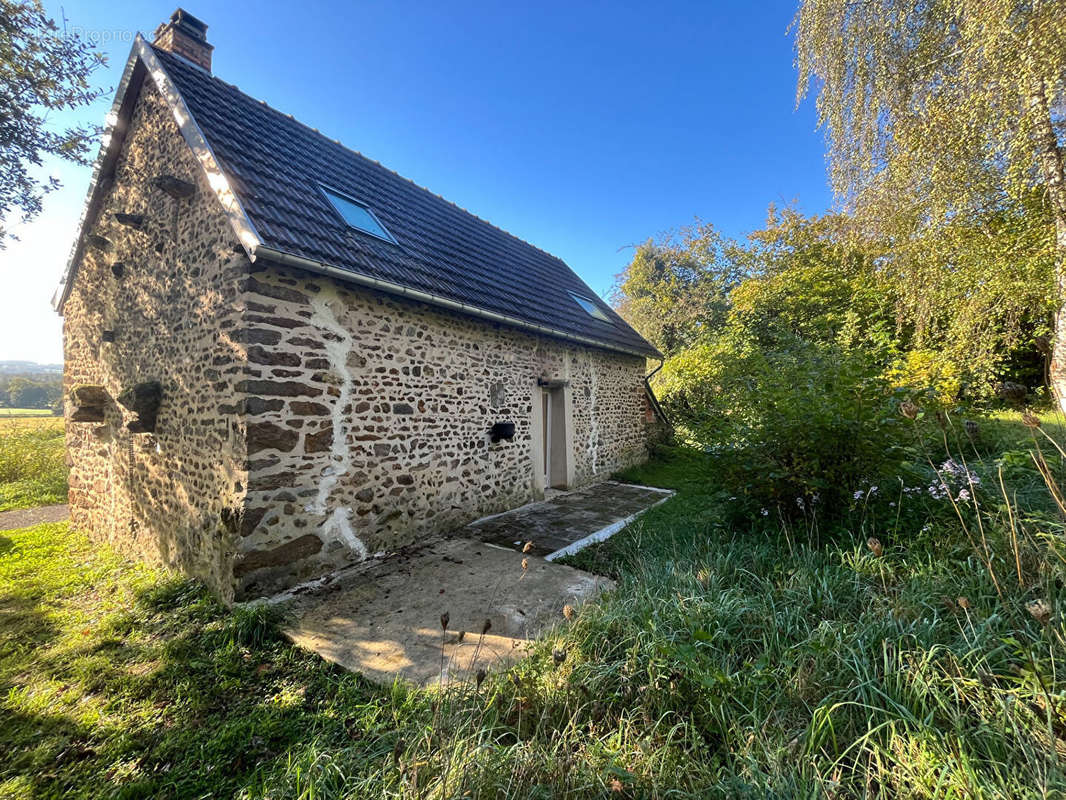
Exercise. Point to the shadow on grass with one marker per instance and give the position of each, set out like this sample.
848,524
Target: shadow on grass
24,626
174,695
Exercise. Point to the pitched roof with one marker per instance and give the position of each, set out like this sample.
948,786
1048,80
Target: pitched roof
276,167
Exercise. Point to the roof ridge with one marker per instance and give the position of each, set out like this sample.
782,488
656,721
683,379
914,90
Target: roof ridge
338,143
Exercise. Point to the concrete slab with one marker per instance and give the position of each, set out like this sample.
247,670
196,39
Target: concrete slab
567,521
383,620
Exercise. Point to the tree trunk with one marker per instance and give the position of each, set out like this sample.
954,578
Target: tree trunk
1058,352
1049,155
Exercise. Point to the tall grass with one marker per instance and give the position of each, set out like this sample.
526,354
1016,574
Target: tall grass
32,464
912,650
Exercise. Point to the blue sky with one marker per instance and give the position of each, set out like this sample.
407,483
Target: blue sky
584,128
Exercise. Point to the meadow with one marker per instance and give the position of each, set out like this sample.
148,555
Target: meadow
33,470
910,648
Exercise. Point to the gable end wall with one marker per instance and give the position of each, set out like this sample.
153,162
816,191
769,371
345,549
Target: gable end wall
174,496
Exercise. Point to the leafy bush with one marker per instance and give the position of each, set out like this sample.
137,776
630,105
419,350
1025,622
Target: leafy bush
798,428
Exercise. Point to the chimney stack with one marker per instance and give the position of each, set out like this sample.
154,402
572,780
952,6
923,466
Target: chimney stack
185,36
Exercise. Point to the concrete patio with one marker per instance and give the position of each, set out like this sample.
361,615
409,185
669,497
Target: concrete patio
566,522
383,618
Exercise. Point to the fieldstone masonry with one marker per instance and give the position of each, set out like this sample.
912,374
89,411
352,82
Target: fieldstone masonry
303,424
176,494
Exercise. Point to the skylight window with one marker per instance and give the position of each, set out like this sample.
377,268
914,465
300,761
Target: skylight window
357,215
590,307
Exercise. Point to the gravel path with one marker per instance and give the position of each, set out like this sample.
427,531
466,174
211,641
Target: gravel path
24,517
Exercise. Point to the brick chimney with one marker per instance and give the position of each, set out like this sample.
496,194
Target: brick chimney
185,36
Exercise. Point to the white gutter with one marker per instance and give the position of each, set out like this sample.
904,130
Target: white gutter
270,254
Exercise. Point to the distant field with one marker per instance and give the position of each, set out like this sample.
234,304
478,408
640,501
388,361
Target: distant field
25,412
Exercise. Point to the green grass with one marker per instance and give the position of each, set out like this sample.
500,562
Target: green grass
736,658
33,471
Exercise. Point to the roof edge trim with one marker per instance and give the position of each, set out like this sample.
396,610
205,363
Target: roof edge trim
242,225
348,276
104,157
194,138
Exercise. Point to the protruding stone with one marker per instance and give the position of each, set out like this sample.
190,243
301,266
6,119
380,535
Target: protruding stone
250,520
260,405
272,291
143,400
302,408
129,220
257,336
175,187
89,395
118,269
88,414
277,388
402,408
273,358
101,243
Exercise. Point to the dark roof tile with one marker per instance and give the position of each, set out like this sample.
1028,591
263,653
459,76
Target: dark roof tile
276,165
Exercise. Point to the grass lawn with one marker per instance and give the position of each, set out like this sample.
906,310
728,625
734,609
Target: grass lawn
33,471
739,657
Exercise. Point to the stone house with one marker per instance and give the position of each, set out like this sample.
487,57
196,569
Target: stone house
282,358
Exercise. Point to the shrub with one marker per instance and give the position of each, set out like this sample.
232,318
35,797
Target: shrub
798,427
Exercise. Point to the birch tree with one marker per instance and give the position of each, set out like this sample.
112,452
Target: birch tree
940,109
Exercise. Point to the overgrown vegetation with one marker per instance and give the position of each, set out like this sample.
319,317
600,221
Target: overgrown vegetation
33,469
910,648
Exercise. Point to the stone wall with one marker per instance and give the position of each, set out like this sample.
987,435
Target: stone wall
166,292
369,422
304,423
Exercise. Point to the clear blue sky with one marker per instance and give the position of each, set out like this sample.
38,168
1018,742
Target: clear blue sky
581,127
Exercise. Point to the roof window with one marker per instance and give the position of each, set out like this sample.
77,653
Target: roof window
357,215
590,307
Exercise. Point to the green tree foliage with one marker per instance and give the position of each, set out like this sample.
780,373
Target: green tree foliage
677,289
794,365
43,70
31,391
818,279
944,118
976,298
